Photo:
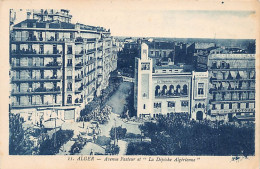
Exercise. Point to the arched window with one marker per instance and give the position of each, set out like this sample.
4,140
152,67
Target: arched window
214,65
157,88
223,64
69,99
185,90
164,90
199,106
171,89
196,106
178,89
203,105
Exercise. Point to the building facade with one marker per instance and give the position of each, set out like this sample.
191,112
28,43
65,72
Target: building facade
231,86
169,89
55,63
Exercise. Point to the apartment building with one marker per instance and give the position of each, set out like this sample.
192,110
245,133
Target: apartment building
231,86
57,64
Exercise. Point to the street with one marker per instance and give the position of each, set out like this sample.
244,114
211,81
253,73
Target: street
117,102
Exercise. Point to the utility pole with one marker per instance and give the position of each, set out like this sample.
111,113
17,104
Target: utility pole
115,133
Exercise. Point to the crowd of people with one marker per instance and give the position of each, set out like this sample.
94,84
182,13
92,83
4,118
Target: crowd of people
101,116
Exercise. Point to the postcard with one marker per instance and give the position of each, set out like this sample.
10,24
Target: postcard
133,84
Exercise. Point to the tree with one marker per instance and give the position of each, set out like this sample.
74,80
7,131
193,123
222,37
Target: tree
176,135
120,132
19,142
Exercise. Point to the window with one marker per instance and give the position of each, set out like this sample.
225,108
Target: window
144,106
185,90
145,66
164,53
156,53
69,62
238,105
200,88
69,49
157,105
157,88
213,107
171,104
199,105
230,105
247,105
71,35
151,52
184,103
144,51
69,99
222,106
41,49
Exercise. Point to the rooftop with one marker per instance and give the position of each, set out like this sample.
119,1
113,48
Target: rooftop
161,45
34,23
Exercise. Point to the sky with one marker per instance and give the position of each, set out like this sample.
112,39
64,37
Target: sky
171,23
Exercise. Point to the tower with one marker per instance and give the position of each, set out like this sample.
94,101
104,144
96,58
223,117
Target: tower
144,83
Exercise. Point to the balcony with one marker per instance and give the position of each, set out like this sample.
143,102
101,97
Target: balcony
231,101
91,71
92,60
89,51
53,64
229,69
78,65
36,79
173,95
26,52
35,39
79,90
79,53
90,82
229,80
100,67
50,66
231,90
38,91
32,105
78,78
79,39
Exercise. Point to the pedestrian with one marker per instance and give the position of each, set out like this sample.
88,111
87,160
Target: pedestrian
91,152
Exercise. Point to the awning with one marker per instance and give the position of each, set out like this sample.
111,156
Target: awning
233,74
252,74
243,74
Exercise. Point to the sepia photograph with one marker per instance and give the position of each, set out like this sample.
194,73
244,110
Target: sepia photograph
118,84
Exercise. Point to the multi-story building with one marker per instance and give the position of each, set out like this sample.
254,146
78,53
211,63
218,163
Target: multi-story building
55,63
231,86
168,89
199,95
